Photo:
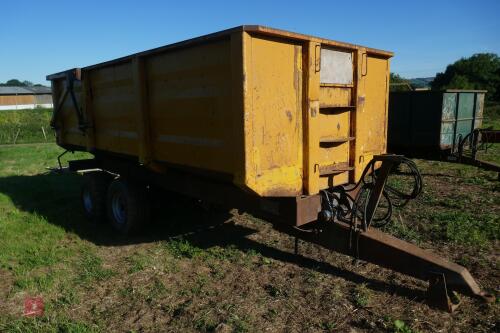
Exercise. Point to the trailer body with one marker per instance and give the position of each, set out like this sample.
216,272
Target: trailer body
432,122
276,113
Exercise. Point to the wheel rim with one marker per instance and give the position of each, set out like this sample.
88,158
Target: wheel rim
118,208
87,201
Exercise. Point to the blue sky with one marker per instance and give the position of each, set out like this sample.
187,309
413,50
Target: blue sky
42,37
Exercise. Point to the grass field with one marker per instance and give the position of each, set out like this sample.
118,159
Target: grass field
25,126
194,270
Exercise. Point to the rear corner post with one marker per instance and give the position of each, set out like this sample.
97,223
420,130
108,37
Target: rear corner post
238,45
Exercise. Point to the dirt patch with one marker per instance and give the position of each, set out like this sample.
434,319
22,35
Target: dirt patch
264,287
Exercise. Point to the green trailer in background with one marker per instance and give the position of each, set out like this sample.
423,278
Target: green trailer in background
440,124
432,123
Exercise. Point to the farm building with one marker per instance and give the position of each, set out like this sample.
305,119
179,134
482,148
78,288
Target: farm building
13,98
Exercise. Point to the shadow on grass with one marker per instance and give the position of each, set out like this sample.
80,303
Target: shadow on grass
55,197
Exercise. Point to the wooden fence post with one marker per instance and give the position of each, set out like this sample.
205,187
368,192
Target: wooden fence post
17,134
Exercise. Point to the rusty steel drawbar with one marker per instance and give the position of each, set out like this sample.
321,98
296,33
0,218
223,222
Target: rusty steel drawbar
344,227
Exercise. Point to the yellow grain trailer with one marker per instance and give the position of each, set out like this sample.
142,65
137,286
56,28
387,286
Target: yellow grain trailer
251,117
281,114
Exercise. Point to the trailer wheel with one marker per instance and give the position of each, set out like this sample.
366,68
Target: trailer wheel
93,195
128,208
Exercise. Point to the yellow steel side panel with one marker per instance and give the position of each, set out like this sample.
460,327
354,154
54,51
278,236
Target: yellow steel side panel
375,121
334,96
371,117
333,180
114,109
190,106
333,125
273,129
334,153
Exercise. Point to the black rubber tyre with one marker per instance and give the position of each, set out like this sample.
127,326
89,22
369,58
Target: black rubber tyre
93,195
127,205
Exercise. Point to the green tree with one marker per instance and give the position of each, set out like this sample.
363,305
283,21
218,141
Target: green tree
17,83
14,82
480,71
399,83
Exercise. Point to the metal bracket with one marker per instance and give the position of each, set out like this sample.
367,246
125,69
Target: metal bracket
364,64
60,169
376,193
317,58
71,77
438,295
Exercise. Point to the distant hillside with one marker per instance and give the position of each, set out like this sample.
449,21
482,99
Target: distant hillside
421,82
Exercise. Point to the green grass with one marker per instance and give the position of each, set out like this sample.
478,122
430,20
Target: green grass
492,115
401,327
181,248
91,269
361,295
25,126
138,262
54,324
44,250
43,258
464,228
491,119
450,220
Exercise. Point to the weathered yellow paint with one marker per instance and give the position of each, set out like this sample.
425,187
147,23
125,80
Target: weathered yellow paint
333,125
334,96
372,109
114,109
377,87
333,180
190,106
246,104
274,137
311,120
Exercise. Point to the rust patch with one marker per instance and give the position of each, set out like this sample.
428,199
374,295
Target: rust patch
361,100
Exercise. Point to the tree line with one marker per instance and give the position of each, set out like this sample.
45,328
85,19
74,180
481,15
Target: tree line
18,83
481,71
